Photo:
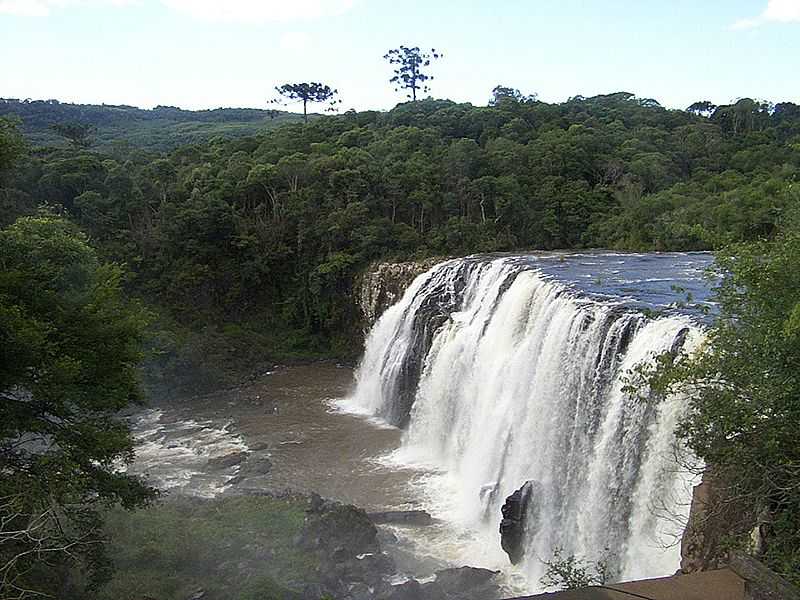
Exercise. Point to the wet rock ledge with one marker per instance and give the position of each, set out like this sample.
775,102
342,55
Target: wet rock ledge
383,283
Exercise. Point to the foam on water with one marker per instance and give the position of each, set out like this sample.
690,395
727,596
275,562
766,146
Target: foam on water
173,454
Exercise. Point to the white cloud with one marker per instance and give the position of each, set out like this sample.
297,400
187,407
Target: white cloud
777,11
259,11
43,8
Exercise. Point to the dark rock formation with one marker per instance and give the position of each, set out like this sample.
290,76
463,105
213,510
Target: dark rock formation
401,517
227,461
383,284
699,546
515,523
463,583
332,527
345,542
255,466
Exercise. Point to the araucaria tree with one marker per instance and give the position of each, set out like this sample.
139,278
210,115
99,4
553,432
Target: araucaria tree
312,92
408,74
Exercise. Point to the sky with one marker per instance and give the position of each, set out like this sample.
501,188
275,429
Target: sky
210,53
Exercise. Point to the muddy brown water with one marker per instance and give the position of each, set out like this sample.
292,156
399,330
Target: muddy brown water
289,416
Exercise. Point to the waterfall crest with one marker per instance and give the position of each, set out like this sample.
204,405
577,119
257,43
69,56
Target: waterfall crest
502,375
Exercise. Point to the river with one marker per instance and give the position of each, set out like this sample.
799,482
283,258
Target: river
322,428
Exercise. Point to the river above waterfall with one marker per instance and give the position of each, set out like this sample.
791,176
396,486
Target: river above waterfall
498,370
662,281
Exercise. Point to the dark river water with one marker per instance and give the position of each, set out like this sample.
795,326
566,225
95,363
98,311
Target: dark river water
295,418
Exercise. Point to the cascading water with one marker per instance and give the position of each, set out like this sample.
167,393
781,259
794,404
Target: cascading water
503,375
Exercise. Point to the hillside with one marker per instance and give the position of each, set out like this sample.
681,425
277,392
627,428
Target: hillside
161,129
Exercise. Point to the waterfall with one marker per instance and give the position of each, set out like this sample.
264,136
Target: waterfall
501,375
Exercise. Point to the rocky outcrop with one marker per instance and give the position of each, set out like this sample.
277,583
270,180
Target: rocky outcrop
718,515
345,543
338,529
700,543
383,283
463,583
517,520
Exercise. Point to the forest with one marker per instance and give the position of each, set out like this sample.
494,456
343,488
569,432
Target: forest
224,236
161,129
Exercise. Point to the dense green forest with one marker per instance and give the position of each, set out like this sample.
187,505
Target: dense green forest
253,243
161,129
244,250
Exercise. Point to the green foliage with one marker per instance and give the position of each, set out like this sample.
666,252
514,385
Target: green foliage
124,129
408,73
502,93
572,572
78,134
69,347
267,233
234,548
12,144
13,202
744,395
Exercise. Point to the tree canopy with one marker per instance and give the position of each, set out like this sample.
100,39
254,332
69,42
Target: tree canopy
12,144
69,348
78,134
306,93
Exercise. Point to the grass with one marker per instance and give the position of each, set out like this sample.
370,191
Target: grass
238,548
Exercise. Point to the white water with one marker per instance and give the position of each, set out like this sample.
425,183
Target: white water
173,454
523,380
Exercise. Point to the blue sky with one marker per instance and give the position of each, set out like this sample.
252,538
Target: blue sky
210,53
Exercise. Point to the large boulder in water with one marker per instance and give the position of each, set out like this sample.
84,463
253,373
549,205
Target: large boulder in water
516,521
339,530
463,583
345,543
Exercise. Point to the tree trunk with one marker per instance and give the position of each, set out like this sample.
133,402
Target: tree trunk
305,111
